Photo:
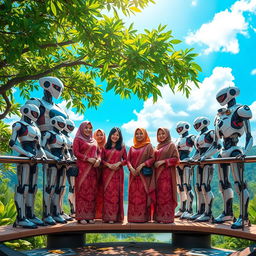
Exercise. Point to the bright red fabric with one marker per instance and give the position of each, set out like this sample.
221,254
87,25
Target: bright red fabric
166,200
141,196
113,185
86,181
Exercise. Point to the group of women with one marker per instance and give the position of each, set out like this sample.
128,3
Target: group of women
99,185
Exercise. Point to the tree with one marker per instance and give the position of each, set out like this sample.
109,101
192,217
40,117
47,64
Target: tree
75,41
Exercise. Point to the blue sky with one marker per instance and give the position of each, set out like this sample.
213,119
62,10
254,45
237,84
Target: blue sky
224,35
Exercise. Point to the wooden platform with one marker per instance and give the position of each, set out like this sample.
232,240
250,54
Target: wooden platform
9,233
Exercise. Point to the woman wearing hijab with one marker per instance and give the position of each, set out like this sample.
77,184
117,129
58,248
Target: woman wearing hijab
141,187
100,136
114,157
166,157
88,159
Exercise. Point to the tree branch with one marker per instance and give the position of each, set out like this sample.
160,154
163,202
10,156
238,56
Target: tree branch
8,106
18,80
43,46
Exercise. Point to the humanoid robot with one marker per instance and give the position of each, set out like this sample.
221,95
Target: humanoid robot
29,137
72,171
53,88
54,144
231,123
185,144
204,172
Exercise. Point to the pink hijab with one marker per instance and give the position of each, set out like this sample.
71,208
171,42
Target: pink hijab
80,133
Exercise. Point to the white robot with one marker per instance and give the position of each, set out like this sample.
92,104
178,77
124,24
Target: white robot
231,123
29,137
204,173
185,144
72,171
53,88
54,144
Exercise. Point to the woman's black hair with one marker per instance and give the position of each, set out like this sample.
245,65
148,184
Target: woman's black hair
119,143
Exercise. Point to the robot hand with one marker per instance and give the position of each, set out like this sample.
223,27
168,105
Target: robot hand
202,158
241,156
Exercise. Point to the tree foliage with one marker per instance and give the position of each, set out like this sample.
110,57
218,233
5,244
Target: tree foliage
76,41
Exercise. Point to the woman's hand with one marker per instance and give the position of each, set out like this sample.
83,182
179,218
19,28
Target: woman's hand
91,160
138,169
97,163
133,171
116,165
159,163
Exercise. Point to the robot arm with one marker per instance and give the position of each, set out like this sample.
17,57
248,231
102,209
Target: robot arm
214,148
249,138
196,156
40,152
245,113
45,141
13,141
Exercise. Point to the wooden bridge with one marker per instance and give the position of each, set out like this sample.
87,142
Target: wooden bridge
183,232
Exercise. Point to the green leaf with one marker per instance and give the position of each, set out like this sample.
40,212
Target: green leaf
135,9
1,208
53,8
175,41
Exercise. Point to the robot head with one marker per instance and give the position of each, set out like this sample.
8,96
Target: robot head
31,111
182,127
58,122
70,126
53,85
200,123
226,94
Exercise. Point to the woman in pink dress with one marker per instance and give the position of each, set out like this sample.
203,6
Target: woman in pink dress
141,196
166,157
113,159
100,136
88,160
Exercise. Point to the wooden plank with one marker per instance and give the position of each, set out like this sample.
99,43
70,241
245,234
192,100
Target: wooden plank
9,233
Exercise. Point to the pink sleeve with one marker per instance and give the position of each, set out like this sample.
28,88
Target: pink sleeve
124,157
151,159
171,162
76,149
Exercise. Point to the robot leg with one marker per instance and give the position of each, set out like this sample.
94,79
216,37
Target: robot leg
51,173
21,191
207,194
62,193
181,192
189,193
71,174
56,205
242,191
33,174
199,194
227,194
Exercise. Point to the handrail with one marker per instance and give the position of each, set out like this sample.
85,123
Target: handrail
19,159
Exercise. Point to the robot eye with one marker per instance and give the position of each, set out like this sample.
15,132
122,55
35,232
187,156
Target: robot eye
34,114
221,98
47,84
197,125
179,129
61,125
71,128
55,86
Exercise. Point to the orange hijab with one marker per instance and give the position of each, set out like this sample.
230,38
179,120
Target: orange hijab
145,141
102,144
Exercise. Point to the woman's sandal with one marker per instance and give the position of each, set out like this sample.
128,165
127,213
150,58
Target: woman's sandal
82,222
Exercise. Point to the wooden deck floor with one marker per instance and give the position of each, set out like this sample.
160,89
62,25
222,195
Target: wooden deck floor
9,233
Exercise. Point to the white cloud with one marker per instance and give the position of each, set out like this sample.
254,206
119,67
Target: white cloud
173,108
253,72
73,116
221,33
194,3
253,109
